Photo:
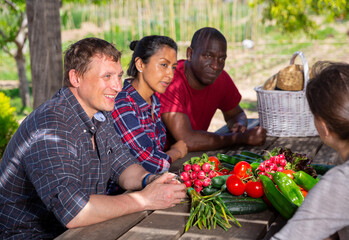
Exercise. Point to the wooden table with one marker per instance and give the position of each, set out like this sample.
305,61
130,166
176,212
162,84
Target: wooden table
169,224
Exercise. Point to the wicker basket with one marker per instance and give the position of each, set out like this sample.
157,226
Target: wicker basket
286,113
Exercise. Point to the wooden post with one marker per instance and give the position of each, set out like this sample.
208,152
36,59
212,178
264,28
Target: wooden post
45,48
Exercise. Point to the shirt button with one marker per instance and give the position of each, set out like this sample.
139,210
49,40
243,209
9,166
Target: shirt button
85,130
92,128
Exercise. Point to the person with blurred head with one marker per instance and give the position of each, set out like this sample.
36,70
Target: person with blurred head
324,212
200,86
137,108
56,167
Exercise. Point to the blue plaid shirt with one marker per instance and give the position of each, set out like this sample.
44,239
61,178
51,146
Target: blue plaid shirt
49,168
144,135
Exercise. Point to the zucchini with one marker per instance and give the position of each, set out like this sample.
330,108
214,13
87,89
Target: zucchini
321,169
244,205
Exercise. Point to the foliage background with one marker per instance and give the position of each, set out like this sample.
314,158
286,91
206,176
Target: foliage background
121,21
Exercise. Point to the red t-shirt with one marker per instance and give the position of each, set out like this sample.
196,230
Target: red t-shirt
199,105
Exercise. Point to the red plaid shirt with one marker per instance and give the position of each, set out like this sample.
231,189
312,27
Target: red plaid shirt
144,136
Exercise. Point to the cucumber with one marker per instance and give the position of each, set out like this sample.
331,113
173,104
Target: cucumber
321,169
228,166
227,197
217,182
209,190
251,154
244,205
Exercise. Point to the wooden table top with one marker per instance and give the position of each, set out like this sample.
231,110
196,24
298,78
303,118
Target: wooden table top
170,223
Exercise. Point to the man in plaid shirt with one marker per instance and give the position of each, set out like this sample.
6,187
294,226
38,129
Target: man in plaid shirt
56,167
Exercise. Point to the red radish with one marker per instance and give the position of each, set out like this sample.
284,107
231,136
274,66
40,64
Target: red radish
261,167
272,159
185,176
187,183
195,167
193,175
187,167
211,174
206,182
197,183
273,167
283,162
206,167
198,189
201,175
280,169
281,156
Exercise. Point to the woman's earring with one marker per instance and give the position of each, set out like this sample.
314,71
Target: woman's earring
140,70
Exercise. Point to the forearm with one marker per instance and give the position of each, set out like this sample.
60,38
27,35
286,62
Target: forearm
131,178
102,207
205,141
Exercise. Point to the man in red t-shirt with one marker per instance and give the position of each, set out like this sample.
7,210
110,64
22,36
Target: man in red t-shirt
200,86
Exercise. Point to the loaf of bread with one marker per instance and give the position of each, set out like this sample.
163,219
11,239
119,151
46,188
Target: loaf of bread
290,78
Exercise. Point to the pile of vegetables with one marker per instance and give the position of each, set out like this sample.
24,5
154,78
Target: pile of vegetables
223,185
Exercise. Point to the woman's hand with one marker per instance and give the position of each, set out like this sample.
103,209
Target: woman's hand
178,150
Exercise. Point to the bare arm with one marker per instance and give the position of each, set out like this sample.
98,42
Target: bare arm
179,126
157,195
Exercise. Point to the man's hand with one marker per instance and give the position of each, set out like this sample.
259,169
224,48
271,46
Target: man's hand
164,192
255,136
238,127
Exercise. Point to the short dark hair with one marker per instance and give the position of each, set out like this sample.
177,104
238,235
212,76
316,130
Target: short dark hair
145,48
78,55
205,34
328,96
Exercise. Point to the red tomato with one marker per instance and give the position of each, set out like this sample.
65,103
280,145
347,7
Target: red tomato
289,173
216,161
224,171
235,186
241,168
254,189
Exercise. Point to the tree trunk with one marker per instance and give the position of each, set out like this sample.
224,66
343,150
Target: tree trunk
45,48
23,81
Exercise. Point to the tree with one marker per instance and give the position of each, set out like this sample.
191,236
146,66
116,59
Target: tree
45,48
13,37
296,15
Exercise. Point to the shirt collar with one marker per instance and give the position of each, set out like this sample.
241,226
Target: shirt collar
80,112
143,105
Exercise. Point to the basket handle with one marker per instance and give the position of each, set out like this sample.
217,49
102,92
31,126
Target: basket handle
305,66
